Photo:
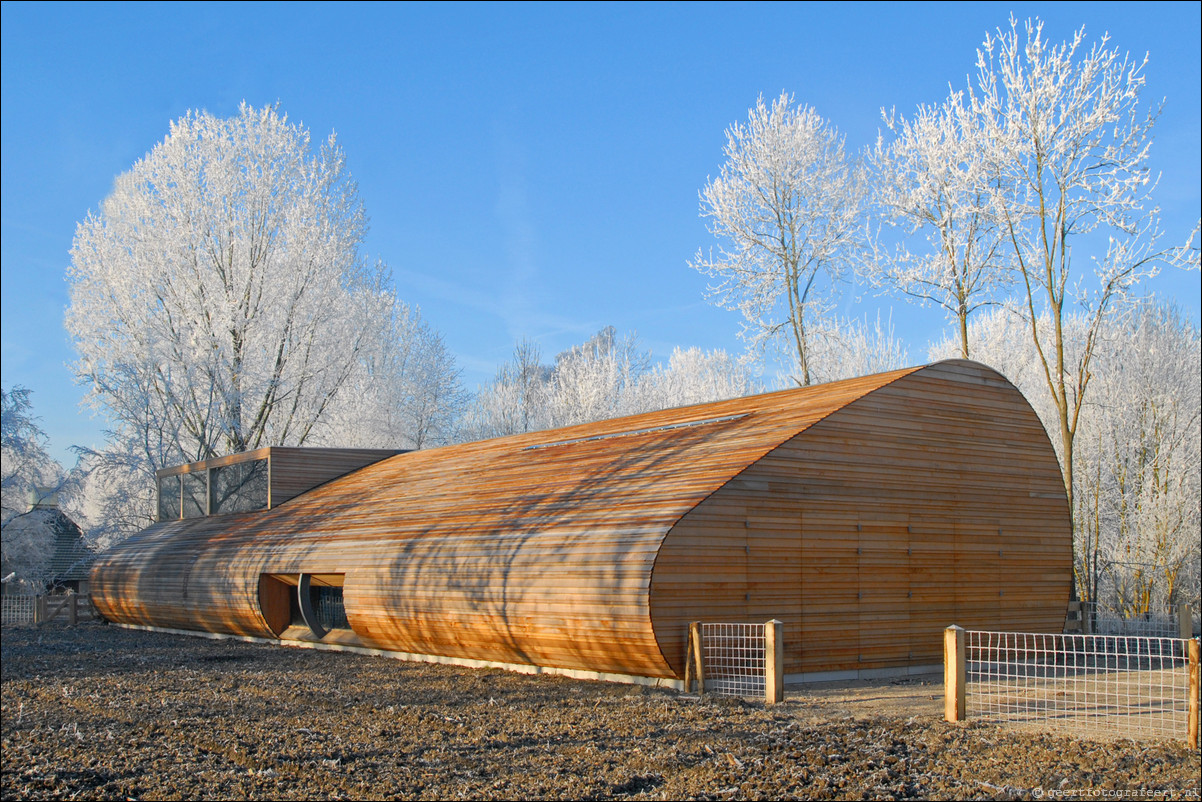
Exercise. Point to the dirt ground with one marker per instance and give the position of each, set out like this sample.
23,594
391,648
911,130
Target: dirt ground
100,712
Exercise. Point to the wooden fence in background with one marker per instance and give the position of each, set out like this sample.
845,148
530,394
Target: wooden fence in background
25,610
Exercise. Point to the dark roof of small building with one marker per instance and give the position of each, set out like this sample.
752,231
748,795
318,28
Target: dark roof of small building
72,558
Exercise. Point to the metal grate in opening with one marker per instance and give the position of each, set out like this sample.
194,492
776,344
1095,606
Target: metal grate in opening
327,604
734,658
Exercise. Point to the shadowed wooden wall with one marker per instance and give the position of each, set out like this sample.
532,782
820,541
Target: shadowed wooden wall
862,513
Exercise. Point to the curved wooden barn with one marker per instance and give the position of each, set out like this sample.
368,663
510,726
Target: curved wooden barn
866,514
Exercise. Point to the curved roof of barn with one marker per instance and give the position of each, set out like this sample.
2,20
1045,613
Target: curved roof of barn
636,474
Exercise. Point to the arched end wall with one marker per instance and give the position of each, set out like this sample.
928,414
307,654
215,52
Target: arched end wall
934,500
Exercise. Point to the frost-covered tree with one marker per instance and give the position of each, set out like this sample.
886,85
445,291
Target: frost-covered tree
515,402
26,549
846,349
596,380
220,303
111,497
29,474
27,470
1138,481
693,376
786,210
1136,475
1073,147
932,188
607,376
221,287
405,393
434,395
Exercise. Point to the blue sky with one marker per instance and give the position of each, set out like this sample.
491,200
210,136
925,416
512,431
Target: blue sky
529,171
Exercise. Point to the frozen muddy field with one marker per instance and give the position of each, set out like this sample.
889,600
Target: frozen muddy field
102,712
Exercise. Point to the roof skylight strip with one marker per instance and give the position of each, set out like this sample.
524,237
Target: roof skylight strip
670,426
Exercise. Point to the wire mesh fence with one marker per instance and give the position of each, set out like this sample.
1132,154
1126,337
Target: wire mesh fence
1164,624
17,610
1089,618
734,658
1128,686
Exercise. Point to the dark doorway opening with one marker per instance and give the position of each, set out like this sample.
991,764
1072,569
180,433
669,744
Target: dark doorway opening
321,605
312,601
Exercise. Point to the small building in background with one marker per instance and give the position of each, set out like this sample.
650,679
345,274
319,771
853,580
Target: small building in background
45,551
71,561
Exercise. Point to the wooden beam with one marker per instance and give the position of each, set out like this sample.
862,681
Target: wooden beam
1192,736
774,662
953,674
694,666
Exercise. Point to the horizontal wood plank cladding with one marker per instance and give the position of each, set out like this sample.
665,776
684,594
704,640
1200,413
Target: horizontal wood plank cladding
590,547
296,470
934,500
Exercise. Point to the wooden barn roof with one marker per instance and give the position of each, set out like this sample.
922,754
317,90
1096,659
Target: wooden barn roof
644,471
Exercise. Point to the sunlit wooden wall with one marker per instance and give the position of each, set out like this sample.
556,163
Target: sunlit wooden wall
865,514
934,500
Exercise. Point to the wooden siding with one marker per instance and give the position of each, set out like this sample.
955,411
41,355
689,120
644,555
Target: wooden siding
549,548
934,500
298,470
292,471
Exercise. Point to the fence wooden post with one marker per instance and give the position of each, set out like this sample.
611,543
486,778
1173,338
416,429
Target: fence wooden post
39,609
774,662
694,668
1185,622
1072,624
688,659
72,613
953,673
1192,736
